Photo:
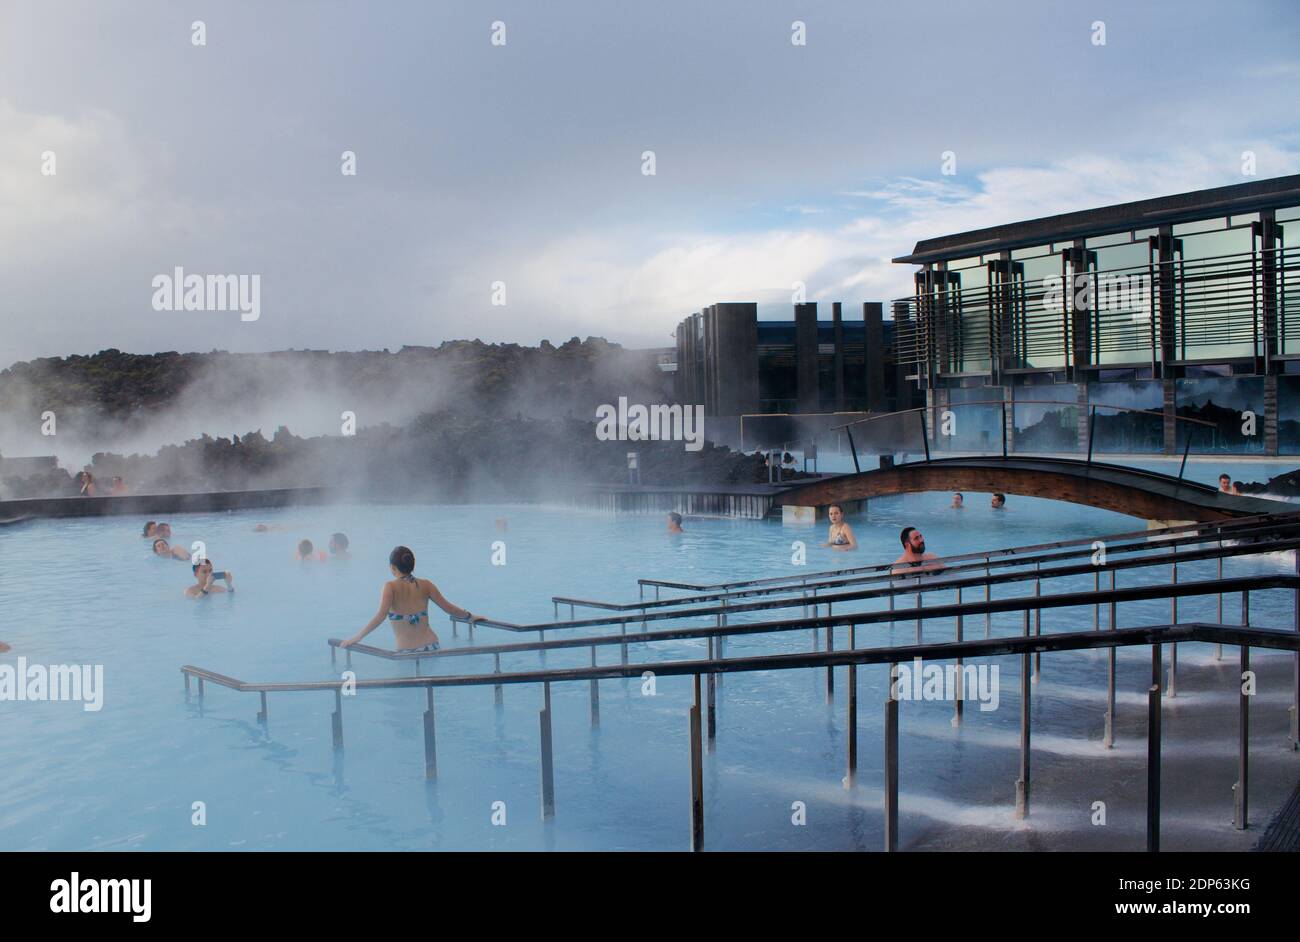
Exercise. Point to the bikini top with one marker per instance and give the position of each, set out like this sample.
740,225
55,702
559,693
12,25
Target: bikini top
414,619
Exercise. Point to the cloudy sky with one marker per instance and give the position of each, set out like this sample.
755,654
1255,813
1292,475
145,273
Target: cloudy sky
522,163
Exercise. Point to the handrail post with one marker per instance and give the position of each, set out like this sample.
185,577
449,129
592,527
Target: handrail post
1153,753
1092,424
1186,448
1295,688
430,738
262,715
891,761
1108,737
988,596
1022,783
851,723
919,602
830,646
1218,648
548,758
925,434
961,692
1173,620
595,693
1038,623
336,719
1241,790
497,694
697,774
854,448
713,702
1004,428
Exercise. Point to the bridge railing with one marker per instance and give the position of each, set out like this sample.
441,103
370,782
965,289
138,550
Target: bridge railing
925,413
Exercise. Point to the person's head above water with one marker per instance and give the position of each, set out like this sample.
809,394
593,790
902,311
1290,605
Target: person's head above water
836,514
149,528
304,548
1225,483
402,561
674,522
957,499
912,540
160,548
164,530
339,543
999,501
202,568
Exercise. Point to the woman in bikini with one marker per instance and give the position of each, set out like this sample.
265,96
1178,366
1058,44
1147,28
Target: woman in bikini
404,603
841,534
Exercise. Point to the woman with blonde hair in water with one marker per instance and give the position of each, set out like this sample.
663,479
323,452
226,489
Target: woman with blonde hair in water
404,603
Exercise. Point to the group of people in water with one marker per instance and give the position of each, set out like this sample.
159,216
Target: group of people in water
205,576
86,486
403,601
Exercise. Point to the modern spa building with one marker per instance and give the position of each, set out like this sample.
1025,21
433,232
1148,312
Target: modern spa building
735,364
1155,312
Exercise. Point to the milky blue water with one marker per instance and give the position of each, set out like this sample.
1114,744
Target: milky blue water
87,591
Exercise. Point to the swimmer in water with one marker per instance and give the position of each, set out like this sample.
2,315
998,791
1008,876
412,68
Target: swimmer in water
205,579
1225,484
150,530
404,603
339,546
4,647
674,522
164,531
914,554
306,551
957,501
998,502
841,535
161,548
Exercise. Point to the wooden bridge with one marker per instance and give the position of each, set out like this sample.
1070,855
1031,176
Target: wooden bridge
1147,494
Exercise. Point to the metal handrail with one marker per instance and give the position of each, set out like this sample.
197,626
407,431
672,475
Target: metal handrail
998,554
1121,543
903,588
1019,603
1210,632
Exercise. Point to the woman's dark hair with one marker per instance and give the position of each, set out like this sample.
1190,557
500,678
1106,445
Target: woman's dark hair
902,537
675,517
195,567
157,541
304,547
833,506
402,559
151,523
340,540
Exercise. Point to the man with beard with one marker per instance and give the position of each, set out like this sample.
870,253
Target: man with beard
914,554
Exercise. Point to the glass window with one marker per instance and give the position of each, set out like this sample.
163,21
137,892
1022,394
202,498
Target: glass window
1115,238
1033,251
1219,408
1046,418
1289,212
1200,225
1218,296
1135,424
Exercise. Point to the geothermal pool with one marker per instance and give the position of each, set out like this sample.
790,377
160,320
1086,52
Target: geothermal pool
87,591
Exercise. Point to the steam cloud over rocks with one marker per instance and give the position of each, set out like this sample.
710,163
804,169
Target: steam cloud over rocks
463,420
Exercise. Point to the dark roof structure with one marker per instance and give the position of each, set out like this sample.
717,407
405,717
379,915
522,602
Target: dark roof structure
1142,214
